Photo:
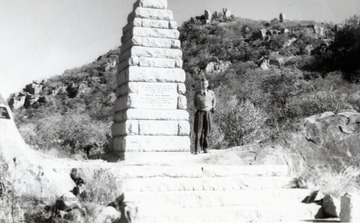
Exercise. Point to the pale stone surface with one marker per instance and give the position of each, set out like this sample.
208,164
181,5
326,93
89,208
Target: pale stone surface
159,4
184,128
129,127
182,102
151,42
149,13
158,127
151,62
107,214
156,143
139,51
173,25
207,15
181,88
150,23
127,88
141,87
143,101
142,114
150,32
148,74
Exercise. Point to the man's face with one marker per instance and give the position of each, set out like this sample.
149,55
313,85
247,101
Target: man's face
204,85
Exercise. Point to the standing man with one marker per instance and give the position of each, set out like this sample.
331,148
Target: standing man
204,102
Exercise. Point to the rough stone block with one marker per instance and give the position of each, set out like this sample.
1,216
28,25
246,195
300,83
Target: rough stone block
146,114
130,127
350,205
156,143
149,74
150,23
139,101
158,4
127,88
150,32
173,25
151,13
184,128
158,90
150,42
152,62
182,102
181,88
139,51
158,128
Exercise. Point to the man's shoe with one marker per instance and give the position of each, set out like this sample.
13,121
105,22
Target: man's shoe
206,151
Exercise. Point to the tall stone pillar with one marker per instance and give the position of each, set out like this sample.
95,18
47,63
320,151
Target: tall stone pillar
150,110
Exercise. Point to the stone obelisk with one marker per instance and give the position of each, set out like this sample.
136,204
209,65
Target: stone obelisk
150,110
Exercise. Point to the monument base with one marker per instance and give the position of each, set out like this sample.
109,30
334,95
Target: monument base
151,144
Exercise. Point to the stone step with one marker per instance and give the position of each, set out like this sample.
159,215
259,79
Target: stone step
198,170
197,199
205,183
235,214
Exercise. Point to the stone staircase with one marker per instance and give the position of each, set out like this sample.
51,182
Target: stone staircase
180,187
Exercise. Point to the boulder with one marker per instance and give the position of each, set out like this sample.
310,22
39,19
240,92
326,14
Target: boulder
207,16
107,214
215,15
264,64
331,206
282,17
350,204
68,202
217,67
226,13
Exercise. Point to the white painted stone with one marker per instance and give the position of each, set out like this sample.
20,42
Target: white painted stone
161,128
151,42
143,114
150,23
150,32
143,101
173,25
159,62
148,74
152,62
181,88
182,102
184,128
129,127
158,4
350,206
127,88
157,143
139,51
150,13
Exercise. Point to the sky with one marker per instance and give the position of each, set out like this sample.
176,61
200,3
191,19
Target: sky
43,38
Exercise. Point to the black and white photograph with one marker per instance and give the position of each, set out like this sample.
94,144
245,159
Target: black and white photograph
179,111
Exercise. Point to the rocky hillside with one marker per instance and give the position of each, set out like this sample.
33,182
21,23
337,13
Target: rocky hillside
266,75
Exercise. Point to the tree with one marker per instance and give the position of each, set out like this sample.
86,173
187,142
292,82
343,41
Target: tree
346,49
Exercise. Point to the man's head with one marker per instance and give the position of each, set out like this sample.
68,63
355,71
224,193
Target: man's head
204,84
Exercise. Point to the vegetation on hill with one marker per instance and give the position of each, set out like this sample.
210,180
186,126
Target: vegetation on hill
265,75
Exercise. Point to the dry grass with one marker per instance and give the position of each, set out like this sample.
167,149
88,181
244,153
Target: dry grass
331,182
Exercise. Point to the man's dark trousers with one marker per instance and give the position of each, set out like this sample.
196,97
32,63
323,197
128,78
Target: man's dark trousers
202,128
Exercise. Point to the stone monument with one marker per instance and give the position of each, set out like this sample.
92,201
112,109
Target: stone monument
150,110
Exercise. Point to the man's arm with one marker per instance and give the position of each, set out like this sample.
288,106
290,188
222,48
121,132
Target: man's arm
214,100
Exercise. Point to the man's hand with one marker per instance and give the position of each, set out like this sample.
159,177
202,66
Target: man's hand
212,110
